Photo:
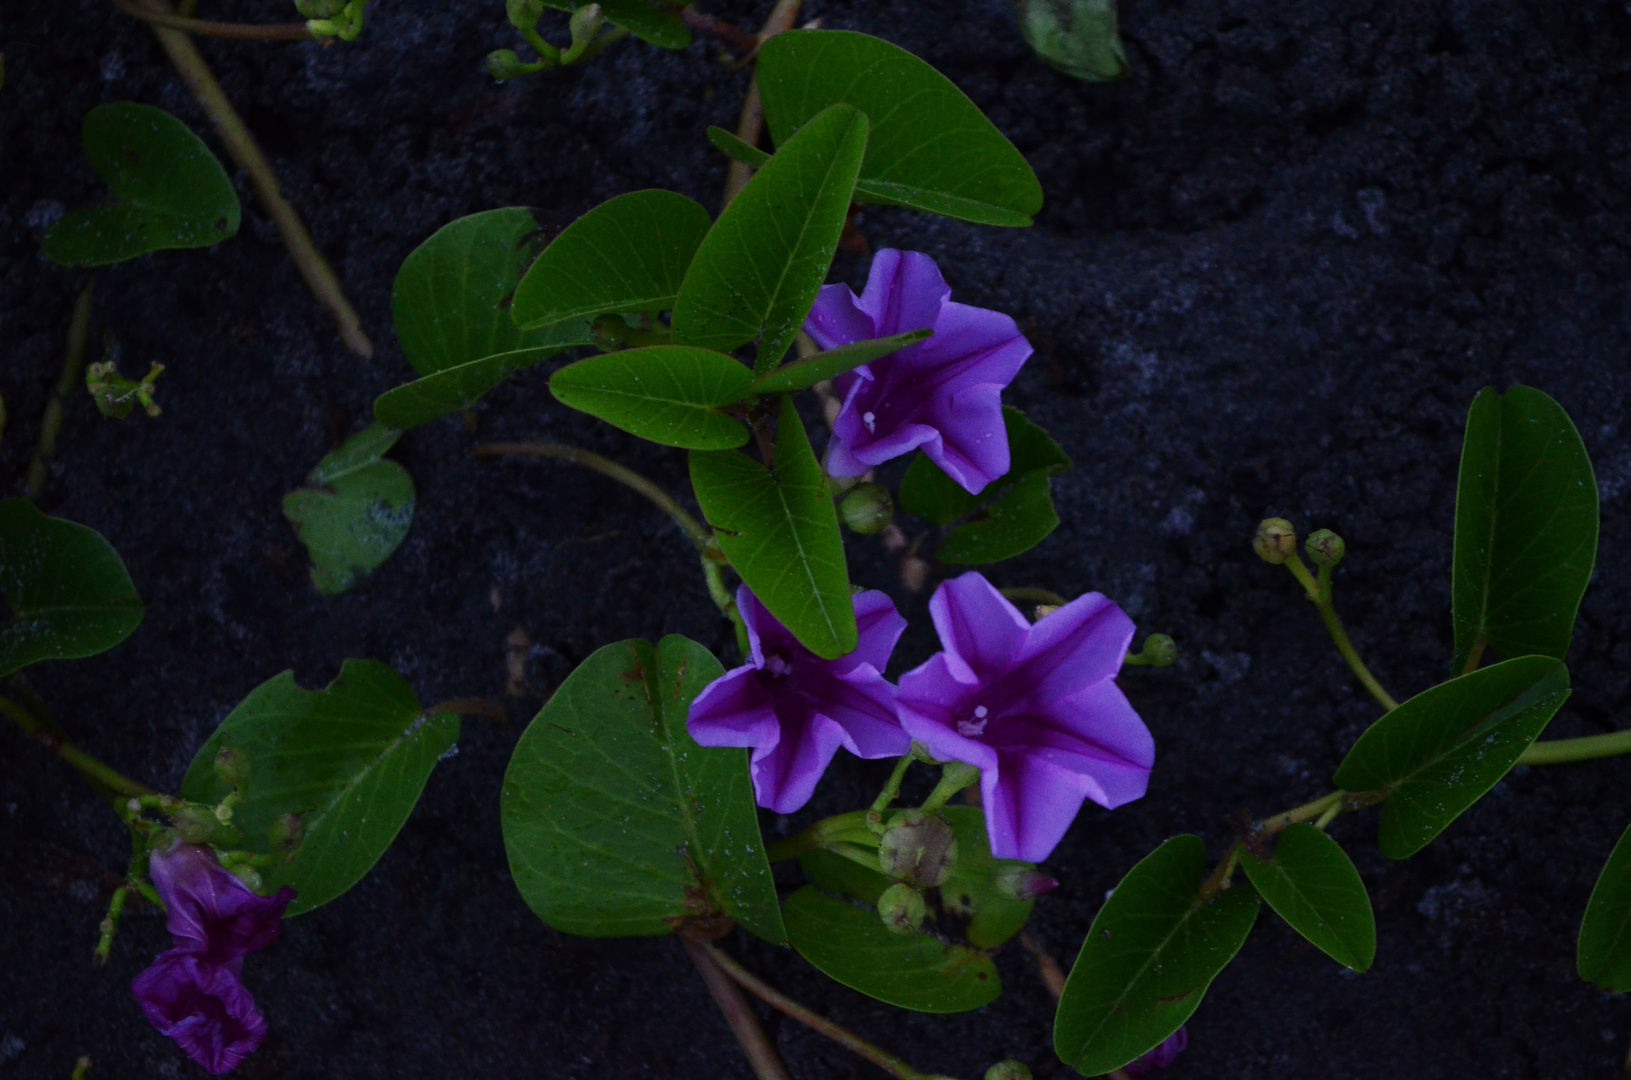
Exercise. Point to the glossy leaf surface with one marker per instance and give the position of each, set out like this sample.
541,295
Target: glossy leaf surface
168,190
931,148
1525,527
779,529
669,394
1442,750
66,589
629,254
616,822
350,759
805,373
1604,951
1019,520
764,260
1312,884
354,510
456,388
1152,951
850,943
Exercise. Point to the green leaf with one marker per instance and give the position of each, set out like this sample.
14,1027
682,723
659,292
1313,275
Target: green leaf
917,971
761,265
779,529
1439,752
457,388
805,373
735,149
1018,521
354,510
1525,527
931,148
1604,955
1152,951
650,23
1078,37
629,254
929,493
168,190
670,394
1314,887
616,822
66,589
350,759
452,294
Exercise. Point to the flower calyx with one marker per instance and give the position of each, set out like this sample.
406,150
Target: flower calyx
918,848
1276,541
902,908
867,509
1325,547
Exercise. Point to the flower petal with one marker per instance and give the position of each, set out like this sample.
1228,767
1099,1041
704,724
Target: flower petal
973,445
734,710
904,292
982,632
878,627
203,1007
1095,733
1030,802
862,704
785,775
838,319
1074,647
209,911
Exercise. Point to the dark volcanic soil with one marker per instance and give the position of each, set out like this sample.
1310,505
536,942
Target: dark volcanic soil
1274,267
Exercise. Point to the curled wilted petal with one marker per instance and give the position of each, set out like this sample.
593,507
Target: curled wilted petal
203,1007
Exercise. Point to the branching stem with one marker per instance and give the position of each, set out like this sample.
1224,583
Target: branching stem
241,31
760,1051
73,371
37,730
1587,748
1319,592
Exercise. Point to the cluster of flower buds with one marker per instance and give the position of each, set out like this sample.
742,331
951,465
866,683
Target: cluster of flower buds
584,26
333,18
1276,543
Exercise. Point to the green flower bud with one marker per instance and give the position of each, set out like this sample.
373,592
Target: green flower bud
195,824
586,23
504,64
248,875
867,509
1008,1070
902,908
1160,650
524,14
319,9
1023,882
231,767
287,832
1325,547
918,848
1276,541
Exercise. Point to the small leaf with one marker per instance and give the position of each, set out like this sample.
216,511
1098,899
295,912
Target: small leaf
1078,37
457,388
1153,950
805,373
168,190
1525,527
1018,521
915,971
1604,955
735,149
761,265
66,589
779,529
350,759
629,254
616,822
669,394
354,510
931,148
451,298
1312,884
1439,752
650,23
929,493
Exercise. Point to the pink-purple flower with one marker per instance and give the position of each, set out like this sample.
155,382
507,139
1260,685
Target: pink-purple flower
1161,1056
192,992
1035,708
795,709
943,394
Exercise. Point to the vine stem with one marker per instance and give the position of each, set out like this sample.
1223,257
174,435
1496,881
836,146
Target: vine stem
813,1020
470,707
1587,748
73,370
1319,592
751,124
840,828
760,1051
207,28
241,145
37,730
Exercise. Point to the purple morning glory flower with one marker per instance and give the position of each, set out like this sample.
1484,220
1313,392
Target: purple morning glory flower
1035,708
203,1007
795,709
192,993
1161,1056
943,394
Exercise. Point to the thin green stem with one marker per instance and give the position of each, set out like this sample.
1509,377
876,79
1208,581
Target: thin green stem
36,729
1219,880
1319,592
73,370
1025,594
110,923
880,1057
840,828
1306,812
744,1023
855,853
1475,656
1588,748
207,28
954,777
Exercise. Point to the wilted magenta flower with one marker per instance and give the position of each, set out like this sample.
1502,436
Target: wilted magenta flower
203,1007
192,993
796,709
1035,708
1161,1056
943,394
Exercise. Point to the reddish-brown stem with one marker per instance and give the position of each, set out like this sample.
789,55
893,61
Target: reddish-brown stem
1053,976
734,36
752,122
209,28
760,1051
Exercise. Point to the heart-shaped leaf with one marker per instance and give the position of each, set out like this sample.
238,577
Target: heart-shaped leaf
1604,952
917,971
1525,527
1312,884
1154,948
761,265
805,373
1439,752
779,529
457,388
629,254
354,510
168,190
66,589
670,394
351,760
931,148
616,822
